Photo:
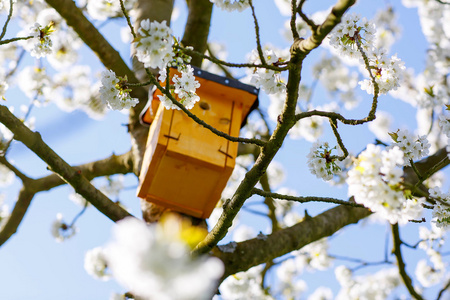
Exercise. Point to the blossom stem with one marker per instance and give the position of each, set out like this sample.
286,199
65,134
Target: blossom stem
125,13
333,124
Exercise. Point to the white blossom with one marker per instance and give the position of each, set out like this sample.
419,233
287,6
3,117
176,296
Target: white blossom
314,256
427,275
441,209
321,293
267,79
113,92
95,264
373,286
321,162
387,72
153,262
185,87
154,44
104,9
43,45
352,30
413,147
62,231
231,5
375,182
243,286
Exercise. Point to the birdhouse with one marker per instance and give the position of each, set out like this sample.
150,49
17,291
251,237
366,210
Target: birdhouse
186,166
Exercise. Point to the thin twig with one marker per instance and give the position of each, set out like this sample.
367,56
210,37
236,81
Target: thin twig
228,64
257,191
441,292
15,39
308,21
124,11
257,34
7,19
401,264
333,124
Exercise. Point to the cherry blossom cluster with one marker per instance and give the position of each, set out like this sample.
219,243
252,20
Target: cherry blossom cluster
431,240
153,262
244,285
386,71
321,162
231,5
354,33
154,44
441,210
104,9
114,92
43,45
375,181
185,87
444,124
268,80
376,286
154,49
413,147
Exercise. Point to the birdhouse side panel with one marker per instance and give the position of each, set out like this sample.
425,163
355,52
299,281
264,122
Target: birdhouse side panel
155,149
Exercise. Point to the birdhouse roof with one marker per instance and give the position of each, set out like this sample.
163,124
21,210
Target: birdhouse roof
214,79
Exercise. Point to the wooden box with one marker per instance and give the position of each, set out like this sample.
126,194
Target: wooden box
186,166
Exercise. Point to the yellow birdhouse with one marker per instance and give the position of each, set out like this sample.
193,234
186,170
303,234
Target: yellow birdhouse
186,166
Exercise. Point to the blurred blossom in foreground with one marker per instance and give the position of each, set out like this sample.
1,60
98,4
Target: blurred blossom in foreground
153,262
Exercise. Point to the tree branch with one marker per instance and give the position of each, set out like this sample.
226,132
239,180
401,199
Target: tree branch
254,252
17,214
257,251
197,27
299,51
305,199
401,264
111,59
74,177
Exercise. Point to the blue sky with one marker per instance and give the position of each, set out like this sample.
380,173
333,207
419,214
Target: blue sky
36,267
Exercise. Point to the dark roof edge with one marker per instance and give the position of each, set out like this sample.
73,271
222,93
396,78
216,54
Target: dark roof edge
234,83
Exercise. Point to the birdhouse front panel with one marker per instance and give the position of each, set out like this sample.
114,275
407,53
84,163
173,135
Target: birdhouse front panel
186,166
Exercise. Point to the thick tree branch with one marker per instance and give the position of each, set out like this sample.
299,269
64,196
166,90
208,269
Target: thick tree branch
121,164
111,59
115,164
74,177
256,251
197,27
299,50
20,208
